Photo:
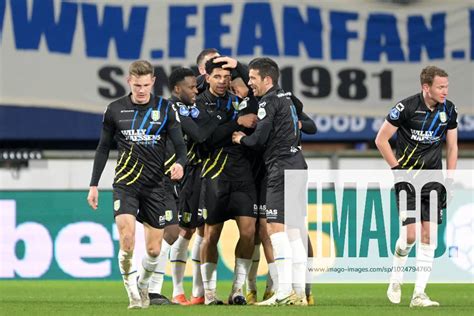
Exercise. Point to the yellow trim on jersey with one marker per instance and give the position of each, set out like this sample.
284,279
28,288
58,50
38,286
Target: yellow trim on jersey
192,157
169,169
190,151
222,168
416,162
136,177
126,162
403,156
215,162
411,154
128,173
120,160
169,160
419,169
205,164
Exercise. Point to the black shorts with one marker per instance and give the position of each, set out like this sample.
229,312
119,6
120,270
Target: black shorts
171,210
275,197
224,200
425,202
261,186
190,216
146,204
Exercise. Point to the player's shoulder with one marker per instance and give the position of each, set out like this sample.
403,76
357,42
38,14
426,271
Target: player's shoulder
411,103
120,105
450,106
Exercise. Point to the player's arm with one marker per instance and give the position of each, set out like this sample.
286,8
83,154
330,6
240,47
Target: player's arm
382,142
197,133
264,126
176,136
222,135
451,148
101,156
306,124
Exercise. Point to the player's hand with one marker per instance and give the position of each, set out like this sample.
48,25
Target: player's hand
93,197
237,136
231,63
247,120
300,125
176,172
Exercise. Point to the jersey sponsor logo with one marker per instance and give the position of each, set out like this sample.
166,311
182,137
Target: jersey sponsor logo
261,113
155,115
161,220
420,112
394,114
127,111
116,205
424,136
286,94
272,213
140,137
442,117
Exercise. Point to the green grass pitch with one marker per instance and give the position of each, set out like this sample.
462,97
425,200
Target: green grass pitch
109,298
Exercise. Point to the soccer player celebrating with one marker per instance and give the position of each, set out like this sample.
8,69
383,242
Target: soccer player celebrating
182,84
277,129
420,121
228,187
140,123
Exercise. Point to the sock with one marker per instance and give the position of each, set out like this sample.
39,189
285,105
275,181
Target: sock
252,275
146,270
424,262
299,261
178,257
129,273
209,276
272,278
399,259
198,288
307,289
282,253
241,270
156,281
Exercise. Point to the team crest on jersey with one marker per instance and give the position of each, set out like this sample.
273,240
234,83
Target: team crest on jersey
155,115
261,113
168,215
116,205
183,110
442,117
187,217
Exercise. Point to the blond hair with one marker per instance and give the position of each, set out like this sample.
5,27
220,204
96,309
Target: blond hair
141,68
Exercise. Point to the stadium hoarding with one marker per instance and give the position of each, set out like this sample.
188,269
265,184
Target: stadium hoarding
353,223
54,235
341,58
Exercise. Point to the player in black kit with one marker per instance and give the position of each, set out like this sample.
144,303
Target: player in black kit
140,123
228,188
182,83
277,129
421,122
